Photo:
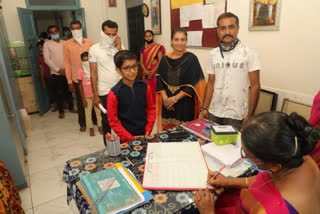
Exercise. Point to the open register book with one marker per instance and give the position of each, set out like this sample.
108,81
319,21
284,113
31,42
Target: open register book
175,166
123,191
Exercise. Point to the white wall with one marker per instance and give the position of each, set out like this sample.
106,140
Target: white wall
288,56
97,11
11,18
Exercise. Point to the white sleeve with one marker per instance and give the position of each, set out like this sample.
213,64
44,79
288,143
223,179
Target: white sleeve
210,66
253,60
92,57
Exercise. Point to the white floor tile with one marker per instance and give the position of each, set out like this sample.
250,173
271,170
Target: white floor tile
25,195
57,206
46,186
40,160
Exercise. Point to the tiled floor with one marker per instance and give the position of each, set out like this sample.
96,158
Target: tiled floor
52,142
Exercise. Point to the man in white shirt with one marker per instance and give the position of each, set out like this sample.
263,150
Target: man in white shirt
102,69
232,68
53,56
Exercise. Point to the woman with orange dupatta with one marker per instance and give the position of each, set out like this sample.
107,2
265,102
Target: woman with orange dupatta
180,85
150,56
288,181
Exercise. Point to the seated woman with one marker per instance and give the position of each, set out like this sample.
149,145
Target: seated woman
290,180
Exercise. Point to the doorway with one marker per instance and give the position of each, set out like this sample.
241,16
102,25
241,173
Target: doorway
61,19
35,20
135,29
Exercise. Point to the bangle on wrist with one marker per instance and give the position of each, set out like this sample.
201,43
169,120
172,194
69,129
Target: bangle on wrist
246,182
204,109
174,100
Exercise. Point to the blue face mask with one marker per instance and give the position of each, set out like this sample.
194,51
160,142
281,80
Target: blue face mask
255,166
55,36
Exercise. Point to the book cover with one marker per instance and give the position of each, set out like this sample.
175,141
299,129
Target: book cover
120,195
199,127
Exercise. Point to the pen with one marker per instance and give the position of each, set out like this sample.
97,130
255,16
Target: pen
129,161
223,166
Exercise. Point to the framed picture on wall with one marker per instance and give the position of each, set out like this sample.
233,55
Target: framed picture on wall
156,16
112,3
264,15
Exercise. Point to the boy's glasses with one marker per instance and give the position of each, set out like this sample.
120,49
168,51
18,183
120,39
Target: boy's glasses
127,69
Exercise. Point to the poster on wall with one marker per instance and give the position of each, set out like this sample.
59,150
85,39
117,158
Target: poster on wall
112,3
156,16
264,15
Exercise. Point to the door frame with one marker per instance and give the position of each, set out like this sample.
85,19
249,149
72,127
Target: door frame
77,11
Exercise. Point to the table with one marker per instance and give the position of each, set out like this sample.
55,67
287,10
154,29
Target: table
163,201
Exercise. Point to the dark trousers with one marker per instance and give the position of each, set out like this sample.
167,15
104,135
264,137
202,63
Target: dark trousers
60,87
50,91
225,121
105,124
80,108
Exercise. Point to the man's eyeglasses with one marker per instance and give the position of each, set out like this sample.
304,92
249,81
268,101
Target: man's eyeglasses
128,68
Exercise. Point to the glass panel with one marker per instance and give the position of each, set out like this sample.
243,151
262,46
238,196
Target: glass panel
58,3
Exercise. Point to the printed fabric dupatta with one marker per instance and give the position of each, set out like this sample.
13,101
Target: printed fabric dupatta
262,197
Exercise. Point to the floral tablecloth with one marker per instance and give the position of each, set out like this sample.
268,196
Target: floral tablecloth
163,201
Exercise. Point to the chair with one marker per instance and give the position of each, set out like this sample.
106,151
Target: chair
289,106
267,101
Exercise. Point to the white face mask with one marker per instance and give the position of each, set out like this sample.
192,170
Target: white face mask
106,41
86,68
77,35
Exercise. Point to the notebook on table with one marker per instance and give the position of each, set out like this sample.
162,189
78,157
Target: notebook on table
228,154
124,194
175,166
199,127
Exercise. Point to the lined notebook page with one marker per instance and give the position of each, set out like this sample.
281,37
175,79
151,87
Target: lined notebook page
175,166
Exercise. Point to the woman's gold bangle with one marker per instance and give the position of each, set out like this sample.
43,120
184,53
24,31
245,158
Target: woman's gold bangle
174,100
246,181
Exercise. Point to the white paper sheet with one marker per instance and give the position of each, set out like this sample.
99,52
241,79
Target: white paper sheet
196,11
214,1
219,9
184,16
228,154
209,18
195,38
175,166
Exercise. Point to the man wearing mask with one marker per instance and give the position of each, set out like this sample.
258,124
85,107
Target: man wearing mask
53,57
103,71
232,67
72,50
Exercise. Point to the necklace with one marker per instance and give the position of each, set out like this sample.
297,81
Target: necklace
287,172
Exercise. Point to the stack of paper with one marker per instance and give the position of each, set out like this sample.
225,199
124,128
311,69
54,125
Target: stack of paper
228,154
122,191
175,166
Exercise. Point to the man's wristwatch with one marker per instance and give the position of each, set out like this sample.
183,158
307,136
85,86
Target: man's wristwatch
204,109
